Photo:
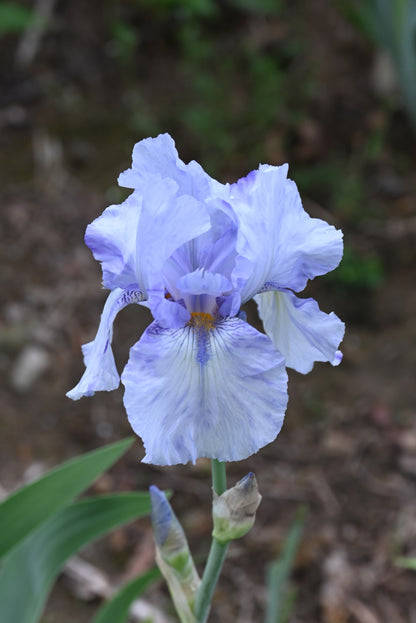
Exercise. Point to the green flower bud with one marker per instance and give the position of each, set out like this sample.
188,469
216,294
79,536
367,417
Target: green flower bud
234,511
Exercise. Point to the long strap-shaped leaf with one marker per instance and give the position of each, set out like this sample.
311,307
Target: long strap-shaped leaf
279,572
116,609
30,506
30,570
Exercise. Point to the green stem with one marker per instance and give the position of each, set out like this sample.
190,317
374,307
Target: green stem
212,572
219,476
216,555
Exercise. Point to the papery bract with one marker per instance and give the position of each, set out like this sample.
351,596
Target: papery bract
201,381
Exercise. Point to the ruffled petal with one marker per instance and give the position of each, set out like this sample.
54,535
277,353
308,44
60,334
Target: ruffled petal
201,289
101,372
204,391
158,156
300,330
167,222
201,281
112,237
214,251
284,246
133,240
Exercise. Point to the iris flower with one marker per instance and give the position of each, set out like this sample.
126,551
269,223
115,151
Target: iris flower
201,381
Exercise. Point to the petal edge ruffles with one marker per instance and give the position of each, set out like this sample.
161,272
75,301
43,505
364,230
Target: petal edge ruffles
225,403
112,240
284,245
159,156
300,330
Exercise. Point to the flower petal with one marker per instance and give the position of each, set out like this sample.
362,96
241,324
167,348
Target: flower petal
300,330
214,251
284,245
170,314
101,372
218,392
167,222
158,156
201,289
202,281
133,240
112,239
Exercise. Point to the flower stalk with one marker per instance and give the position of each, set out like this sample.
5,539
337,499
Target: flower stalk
233,514
217,553
219,476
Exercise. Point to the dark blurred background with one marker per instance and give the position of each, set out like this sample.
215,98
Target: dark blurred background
328,86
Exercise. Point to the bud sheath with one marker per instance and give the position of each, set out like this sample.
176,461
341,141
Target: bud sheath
234,511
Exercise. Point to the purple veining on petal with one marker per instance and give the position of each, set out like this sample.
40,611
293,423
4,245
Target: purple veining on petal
202,325
268,286
226,409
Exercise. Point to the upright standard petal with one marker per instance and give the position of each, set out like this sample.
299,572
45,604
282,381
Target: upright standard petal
300,330
134,239
101,372
159,156
283,244
206,390
167,222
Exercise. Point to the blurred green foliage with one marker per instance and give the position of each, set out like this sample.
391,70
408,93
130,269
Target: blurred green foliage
358,270
15,18
235,86
391,24
236,92
406,563
125,39
339,184
196,8
260,7
204,8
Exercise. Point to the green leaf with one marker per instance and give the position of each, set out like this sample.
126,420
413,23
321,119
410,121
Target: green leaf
117,608
288,605
279,572
28,507
406,563
30,570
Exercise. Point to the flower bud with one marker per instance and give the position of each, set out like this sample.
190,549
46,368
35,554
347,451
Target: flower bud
234,511
173,556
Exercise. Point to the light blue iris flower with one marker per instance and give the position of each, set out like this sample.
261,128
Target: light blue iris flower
201,382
